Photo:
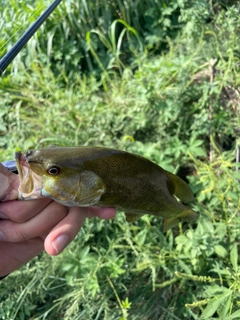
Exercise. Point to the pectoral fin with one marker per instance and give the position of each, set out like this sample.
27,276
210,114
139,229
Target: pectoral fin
187,215
91,188
132,217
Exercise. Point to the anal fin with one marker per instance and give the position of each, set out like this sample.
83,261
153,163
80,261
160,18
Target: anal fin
170,223
187,215
131,217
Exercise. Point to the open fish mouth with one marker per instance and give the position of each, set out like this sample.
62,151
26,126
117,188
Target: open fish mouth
30,184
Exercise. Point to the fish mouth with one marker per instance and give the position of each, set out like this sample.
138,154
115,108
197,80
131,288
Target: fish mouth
30,184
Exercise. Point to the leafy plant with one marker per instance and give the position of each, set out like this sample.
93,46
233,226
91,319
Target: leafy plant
159,79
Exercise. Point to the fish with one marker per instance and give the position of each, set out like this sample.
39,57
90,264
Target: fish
98,176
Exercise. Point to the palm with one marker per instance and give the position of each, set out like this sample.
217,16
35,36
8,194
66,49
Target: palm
27,227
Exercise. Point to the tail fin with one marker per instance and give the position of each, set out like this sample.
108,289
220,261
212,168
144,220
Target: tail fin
180,188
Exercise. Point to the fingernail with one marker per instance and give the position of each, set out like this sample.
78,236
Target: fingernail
2,216
2,237
60,243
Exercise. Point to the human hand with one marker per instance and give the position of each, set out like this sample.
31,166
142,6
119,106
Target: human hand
28,227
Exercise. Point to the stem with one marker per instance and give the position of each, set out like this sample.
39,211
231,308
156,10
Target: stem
237,150
212,65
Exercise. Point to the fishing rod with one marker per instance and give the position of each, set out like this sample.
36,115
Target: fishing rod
17,47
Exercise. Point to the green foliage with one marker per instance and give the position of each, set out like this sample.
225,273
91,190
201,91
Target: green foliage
63,44
179,108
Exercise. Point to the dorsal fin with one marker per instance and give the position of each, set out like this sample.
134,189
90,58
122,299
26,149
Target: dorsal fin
180,188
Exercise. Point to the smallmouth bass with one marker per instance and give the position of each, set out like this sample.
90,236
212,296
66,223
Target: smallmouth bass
98,176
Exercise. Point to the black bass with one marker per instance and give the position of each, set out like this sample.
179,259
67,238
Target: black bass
96,176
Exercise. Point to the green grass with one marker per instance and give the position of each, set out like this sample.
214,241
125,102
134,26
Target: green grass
160,104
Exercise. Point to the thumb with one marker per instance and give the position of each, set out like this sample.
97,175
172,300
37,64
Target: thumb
8,184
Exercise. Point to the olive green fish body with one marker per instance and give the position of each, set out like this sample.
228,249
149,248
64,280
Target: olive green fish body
83,176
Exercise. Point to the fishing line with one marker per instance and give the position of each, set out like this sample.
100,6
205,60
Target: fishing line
34,13
17,47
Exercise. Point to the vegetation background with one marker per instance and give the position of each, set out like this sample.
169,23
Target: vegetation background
157,78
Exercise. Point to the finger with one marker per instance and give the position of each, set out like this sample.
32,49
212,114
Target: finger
68,228
65,231
38,225
102,212
22,211
9,184
17,254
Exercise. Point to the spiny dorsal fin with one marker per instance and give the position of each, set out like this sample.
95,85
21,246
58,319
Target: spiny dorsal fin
180,188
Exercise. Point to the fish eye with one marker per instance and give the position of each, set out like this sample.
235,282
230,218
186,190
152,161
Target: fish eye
29,153
53,170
